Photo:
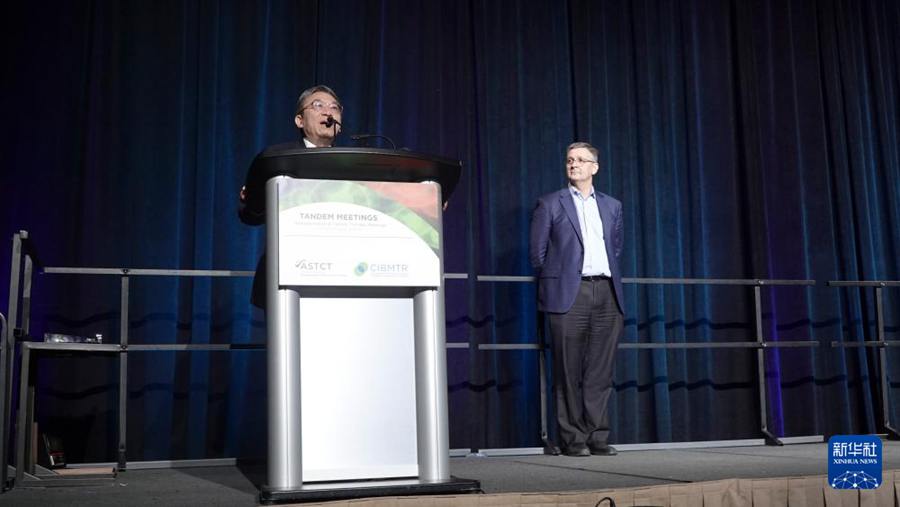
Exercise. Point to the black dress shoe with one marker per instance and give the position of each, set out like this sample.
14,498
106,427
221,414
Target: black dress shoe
578,452
606,450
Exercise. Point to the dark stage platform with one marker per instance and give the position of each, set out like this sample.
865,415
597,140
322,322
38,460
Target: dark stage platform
230,485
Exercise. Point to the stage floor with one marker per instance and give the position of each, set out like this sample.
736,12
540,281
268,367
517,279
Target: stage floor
236,486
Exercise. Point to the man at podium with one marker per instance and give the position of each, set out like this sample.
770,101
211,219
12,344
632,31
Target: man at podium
318,116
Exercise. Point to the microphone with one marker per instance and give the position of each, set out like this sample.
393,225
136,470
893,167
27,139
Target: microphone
330,122
362,137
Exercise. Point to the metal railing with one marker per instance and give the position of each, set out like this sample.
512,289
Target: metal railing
881,342
123,348
759,344
24,261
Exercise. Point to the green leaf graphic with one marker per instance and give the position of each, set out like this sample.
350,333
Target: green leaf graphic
314,191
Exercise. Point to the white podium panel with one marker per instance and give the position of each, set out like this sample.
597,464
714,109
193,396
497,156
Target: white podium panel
357,388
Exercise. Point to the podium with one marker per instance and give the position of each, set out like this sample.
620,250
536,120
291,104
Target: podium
357,384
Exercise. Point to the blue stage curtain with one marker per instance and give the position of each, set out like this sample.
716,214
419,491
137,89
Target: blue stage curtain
745,140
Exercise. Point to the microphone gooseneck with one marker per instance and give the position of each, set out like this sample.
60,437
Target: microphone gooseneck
363,137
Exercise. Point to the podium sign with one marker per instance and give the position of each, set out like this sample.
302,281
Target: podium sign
358,233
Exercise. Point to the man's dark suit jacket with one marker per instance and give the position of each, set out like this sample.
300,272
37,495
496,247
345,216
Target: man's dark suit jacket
557,248
253,212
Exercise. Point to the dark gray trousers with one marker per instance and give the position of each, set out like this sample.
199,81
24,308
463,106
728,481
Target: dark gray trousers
584,349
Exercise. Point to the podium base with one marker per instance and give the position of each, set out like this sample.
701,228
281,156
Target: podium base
325,491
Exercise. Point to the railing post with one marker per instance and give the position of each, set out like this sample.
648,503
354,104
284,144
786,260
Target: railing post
7,352
3,447
26,393
880,342
761,369
882,356
123,370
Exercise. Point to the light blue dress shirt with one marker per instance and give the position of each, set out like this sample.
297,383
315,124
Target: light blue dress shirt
596,261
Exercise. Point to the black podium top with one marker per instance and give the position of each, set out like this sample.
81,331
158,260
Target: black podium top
360,164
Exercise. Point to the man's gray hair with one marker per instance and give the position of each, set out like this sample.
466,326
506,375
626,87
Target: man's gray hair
309,91
588,146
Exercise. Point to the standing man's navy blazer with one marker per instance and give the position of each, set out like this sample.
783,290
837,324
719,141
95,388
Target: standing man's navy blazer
557,252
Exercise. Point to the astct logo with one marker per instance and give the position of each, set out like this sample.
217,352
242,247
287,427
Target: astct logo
313,266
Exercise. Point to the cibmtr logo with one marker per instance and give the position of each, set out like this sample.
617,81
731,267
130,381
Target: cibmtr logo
361,269
389,269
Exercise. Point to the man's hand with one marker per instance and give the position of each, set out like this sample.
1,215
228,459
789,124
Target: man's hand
539,238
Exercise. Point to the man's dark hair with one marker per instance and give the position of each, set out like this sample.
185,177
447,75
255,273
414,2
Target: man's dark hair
309,91
594,151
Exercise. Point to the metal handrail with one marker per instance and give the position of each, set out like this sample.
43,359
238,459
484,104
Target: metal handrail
863,283
751,282
881,342
26,247
755,282
665,281
147,272
759,344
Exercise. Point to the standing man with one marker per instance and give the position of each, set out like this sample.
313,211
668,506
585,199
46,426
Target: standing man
318,116
576,241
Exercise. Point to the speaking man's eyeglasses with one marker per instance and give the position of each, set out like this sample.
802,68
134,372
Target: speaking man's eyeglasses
319,106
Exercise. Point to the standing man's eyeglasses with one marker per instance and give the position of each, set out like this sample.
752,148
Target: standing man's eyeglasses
579,161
